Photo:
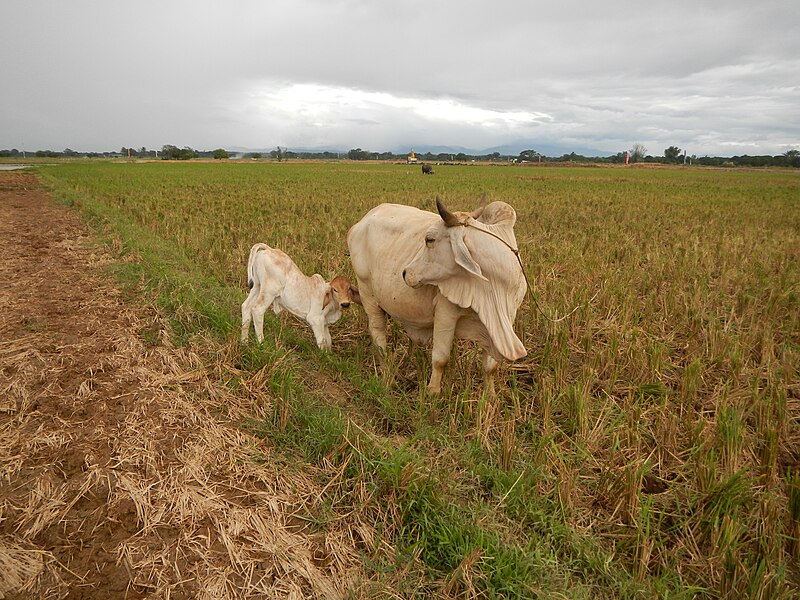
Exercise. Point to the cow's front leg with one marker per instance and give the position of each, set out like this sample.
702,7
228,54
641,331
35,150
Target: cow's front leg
444,327
376,317
489,371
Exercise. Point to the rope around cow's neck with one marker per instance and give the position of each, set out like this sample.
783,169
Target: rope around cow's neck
525,275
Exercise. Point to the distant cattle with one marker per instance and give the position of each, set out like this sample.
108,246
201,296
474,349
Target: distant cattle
427,169
274,279
441,275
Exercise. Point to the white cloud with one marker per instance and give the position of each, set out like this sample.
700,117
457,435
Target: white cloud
349,74
320,101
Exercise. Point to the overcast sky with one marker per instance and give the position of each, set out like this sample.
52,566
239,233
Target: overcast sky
717,78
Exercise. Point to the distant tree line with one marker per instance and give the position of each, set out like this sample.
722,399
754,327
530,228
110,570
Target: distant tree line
636,154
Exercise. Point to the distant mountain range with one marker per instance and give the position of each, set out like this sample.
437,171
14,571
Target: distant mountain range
510,150
506,150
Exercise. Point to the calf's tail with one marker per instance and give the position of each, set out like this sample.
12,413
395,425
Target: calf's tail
251,264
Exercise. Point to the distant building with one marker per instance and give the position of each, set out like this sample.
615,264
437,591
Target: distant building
411,158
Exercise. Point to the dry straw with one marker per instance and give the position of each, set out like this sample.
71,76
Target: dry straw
123,468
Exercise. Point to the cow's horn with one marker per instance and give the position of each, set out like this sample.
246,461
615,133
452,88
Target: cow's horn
449,218
475,214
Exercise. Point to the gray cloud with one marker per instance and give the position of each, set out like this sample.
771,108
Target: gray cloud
341,74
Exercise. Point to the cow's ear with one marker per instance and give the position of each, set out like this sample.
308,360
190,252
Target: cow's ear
328,298
462,254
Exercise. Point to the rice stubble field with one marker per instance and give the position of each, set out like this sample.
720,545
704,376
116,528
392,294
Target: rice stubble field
648,445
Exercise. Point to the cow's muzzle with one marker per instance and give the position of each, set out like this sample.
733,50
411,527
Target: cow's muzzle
411,282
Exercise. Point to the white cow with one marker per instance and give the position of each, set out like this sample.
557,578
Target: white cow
275,280
445,275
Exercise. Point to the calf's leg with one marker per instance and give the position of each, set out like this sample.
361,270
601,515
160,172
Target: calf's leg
321,332
260,306
247,312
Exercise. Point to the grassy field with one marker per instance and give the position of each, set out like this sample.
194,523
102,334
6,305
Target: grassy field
648,445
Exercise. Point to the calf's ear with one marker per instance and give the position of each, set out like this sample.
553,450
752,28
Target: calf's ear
328,298
354,295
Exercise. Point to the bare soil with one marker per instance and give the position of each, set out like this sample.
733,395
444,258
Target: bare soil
123,473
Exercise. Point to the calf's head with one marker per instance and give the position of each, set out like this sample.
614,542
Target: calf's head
342,292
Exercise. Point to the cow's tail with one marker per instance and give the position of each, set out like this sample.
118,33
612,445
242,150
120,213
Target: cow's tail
251,262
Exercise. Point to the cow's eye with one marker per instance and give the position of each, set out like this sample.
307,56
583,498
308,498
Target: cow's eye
429,241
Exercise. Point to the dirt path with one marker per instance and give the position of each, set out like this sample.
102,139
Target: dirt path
119,476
